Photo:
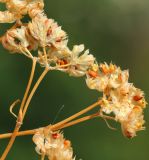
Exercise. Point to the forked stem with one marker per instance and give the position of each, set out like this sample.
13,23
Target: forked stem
33,91
83,119
19,119
29,84
33,131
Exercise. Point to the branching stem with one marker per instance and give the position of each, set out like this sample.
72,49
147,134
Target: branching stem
33,91
20,118
83,119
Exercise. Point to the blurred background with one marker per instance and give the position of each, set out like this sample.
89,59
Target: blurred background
115,31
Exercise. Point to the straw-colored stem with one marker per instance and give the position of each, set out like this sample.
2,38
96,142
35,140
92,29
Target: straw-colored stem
42,156
77,121
19,119
29,84
21,133
75,115
33,91
45,55
33,131
83,119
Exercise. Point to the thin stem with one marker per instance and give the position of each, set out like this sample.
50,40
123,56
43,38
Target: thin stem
19,119
29,53
61,123
42,156
21,133
77,121
45,54
33,91
75,115
83,119
29,84
33,131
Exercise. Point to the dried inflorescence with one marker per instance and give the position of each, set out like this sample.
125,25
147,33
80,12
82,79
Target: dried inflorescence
53,145
119,96
44,35
16,9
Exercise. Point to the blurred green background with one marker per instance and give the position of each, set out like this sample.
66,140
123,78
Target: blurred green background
113,30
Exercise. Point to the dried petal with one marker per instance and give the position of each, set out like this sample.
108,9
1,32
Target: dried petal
79,64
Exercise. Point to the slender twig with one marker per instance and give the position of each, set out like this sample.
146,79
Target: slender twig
33,131
29,53
21,133
45,55
42,156
83,119
75,115
29,84
77,121
33,91
19,119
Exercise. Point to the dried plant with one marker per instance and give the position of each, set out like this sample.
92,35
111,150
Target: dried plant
46,37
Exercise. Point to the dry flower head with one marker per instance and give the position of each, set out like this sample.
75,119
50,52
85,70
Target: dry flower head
47,38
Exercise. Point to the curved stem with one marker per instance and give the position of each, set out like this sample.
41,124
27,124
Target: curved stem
19,119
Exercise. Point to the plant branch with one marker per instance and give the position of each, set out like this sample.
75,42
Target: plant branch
33,91
19,119
83,119
33,131
75,115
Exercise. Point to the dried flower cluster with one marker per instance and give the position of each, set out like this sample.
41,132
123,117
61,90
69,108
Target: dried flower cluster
53,145
16,9
119,96
45,36
50,40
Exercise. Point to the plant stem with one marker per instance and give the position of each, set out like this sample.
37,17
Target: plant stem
45,55
33,131
19,119
33,91
42,156
77,121
75,115
83,119
29,84
21,133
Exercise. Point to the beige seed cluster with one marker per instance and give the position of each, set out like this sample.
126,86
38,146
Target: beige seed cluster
119,96
53,145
